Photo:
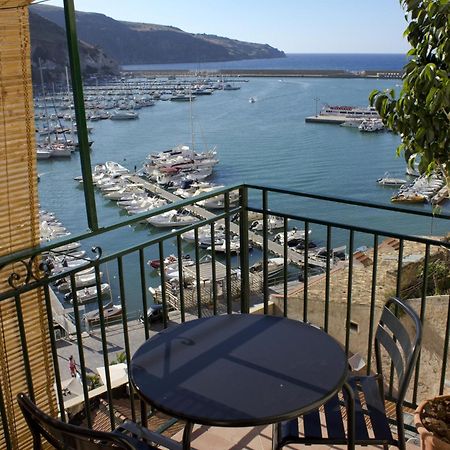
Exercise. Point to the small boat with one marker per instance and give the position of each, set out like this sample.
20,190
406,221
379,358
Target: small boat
67,248
352,123
273,223
155,263
386,180
124,115
85,280
230,87
294,237
443,194
371,125
411,197
172,220
89,293
110,313
154,314
252,100
274,267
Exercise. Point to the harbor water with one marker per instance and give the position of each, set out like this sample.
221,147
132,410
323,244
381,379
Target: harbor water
266,142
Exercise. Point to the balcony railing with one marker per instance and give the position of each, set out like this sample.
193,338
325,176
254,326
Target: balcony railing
352,268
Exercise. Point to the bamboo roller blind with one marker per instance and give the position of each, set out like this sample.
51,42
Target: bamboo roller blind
19,228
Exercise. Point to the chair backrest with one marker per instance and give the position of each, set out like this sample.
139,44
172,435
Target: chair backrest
402,346
70,437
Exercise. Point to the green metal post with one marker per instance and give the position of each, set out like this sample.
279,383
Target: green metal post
243,234
80,115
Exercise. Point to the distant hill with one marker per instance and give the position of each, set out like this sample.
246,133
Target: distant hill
49,46
141,43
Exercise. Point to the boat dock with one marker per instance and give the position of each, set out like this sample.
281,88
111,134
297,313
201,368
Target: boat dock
294,257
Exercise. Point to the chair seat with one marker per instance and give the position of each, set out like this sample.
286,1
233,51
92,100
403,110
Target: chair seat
371,423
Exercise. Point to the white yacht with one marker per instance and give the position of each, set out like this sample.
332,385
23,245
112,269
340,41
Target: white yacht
124,115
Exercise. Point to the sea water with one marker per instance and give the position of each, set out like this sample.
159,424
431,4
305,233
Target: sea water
266,142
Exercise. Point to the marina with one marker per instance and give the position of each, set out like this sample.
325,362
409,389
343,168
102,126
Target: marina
247,149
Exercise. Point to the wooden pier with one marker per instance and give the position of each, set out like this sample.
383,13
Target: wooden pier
293,256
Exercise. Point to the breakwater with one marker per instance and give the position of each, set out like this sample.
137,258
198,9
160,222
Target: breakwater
391,74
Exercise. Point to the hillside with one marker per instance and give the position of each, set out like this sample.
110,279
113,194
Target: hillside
141,43
49,46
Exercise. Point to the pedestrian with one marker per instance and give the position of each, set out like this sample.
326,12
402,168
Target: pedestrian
72,366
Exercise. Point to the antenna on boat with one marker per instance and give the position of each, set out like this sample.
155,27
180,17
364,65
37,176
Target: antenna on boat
316,99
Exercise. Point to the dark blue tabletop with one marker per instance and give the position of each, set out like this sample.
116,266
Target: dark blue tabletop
238,370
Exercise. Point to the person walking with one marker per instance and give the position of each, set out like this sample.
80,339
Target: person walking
72,366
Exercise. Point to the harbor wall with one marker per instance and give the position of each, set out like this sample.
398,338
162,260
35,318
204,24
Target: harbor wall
394,74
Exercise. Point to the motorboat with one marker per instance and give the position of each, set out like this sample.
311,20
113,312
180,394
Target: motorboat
387,180
294,237
371,125
88,294
124,115
85,280
234,245
412,197
172,219
155,313
273,223
110,313
274,267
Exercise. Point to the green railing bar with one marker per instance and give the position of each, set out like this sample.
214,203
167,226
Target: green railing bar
357,228
445,352
228,253
143,292
244,242
112,256
126,339
423,303
285,267
348,201
197,275
80,115
398,287
76,312
327,280
305,273
265,207
373,294
27,253
213,267
162,275
349,292
181,277
51,330
104,347
23,340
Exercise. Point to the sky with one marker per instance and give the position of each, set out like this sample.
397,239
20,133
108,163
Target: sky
294,26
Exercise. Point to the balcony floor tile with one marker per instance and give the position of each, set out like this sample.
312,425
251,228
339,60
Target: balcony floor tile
255,438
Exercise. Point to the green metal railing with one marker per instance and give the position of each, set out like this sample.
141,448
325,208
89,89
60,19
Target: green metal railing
229,287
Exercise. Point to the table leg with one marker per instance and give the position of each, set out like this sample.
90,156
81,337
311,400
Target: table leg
143,414
275,431
187,435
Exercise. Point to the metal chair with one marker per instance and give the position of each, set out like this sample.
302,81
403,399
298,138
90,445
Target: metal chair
63,436
369,408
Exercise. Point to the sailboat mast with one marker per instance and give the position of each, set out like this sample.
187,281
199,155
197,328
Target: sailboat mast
45,101
192,120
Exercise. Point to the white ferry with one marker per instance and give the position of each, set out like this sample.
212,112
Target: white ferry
350,112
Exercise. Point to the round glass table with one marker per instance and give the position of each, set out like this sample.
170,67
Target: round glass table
238,370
